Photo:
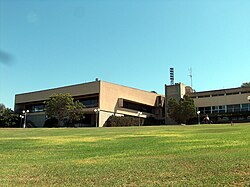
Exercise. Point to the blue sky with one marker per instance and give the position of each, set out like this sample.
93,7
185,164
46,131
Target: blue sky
52,43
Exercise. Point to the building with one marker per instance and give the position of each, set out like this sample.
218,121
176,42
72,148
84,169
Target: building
224,105
108,98
103,99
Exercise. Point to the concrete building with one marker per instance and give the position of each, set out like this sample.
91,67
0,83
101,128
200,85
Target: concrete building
224,105
108,98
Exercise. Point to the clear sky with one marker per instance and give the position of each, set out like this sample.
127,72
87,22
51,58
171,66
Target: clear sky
52,43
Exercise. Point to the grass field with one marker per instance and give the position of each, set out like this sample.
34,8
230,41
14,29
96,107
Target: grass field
201,155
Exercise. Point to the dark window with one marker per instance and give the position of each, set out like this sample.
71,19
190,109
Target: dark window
203,96
233,93
89,102
244,92
202,110
233,108
245,107
237,108
207,109
193,97
36,108
137,106
230,108
215,95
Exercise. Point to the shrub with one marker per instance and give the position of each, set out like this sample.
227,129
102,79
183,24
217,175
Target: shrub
151,121
115,121
51,122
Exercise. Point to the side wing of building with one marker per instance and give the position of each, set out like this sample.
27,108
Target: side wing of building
87,93
225,104
108,98
126,101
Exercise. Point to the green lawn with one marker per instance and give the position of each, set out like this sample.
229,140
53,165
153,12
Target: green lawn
201,155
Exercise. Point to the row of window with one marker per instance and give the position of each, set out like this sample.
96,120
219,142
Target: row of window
225,108
223,94
87,102
138,107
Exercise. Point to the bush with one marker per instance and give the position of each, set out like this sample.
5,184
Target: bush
151,121
115,121
51,122
8,118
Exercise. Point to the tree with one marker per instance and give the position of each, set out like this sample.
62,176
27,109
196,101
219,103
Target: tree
245,84
64,109
7,117
181,111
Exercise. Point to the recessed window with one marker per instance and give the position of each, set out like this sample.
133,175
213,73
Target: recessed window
137,106
215,95
203,96
233,93
89,102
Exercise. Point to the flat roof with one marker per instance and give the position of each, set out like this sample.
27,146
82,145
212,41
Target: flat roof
227,90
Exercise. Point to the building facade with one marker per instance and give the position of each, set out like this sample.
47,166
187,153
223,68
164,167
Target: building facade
224,105
103,99
108,98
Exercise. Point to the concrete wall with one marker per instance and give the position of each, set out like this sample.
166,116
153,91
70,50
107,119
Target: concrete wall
109,100
75,90
37,118
109,95
221,97
221,100
176,92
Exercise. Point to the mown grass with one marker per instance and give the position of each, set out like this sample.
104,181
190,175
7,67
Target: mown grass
201,155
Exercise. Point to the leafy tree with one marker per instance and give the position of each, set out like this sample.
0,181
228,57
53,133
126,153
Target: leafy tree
181,111
8,118
245,84
64,109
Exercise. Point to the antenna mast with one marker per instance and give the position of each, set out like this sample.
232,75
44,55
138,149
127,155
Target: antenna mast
191,76
171,76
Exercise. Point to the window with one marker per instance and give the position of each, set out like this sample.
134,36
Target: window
137,106
207,110
230,108
201,109
237,108
215,109
245,107
218,109
36,108
215,95
89,102
222,109
244,92
233,93
204,110
233,108
203,96
193,97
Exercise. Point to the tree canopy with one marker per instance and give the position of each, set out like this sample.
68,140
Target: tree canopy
64,109
245,84
182,110
7,117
